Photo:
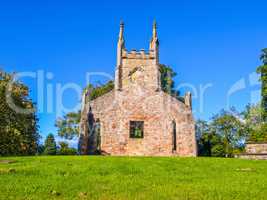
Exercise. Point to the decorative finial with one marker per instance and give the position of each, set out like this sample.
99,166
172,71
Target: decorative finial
121,30
154,29
121,23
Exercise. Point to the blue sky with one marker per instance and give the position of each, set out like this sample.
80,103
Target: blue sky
210,42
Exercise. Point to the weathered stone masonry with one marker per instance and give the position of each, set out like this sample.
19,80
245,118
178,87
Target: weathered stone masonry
137,117
254,150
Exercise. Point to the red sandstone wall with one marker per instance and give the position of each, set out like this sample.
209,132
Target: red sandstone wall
157,110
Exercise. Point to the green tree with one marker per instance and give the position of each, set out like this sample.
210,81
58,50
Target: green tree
252,116
68,126
50,146
18,131
224,135
40,149
203,138
94,92
253,122
259,134
262,70
167,82
209,143
232,131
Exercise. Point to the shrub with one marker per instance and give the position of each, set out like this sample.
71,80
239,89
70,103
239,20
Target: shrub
66,150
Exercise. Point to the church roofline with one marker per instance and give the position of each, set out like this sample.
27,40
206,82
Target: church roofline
141,54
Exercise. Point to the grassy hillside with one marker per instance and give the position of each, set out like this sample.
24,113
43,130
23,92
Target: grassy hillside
84,177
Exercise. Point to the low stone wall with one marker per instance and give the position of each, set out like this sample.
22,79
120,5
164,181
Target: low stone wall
255,151
256,147
252,156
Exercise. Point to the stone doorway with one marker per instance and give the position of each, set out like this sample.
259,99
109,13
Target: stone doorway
174,147
98,136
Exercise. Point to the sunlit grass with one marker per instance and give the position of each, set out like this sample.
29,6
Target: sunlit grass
96,177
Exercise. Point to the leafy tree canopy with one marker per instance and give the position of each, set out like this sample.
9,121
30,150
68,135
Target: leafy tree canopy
167,82
262,70
259,133
68,126
254,124
18,131
222,136
94,92
230,128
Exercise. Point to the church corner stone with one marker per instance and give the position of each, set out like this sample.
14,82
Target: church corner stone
137,117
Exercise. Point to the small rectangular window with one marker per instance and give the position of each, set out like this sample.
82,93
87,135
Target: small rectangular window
136,129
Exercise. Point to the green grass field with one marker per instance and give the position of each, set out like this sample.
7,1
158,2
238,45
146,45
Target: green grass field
96,177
